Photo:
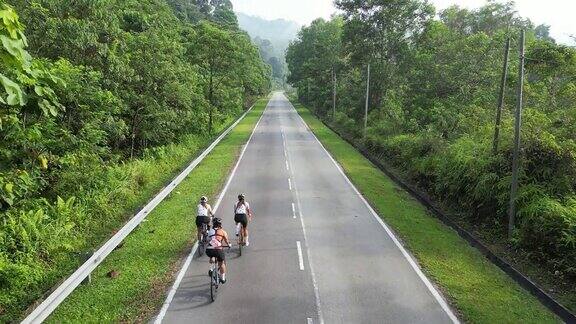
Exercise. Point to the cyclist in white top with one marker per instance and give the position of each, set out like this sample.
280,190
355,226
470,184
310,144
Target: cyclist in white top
203,216
242,214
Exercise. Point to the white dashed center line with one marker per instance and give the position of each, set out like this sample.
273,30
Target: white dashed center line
300,258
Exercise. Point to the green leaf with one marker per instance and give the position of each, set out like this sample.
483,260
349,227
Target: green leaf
53,110
43,162
10,19
44,105
9,187
48,108
8,200
15,47
15,95
39,90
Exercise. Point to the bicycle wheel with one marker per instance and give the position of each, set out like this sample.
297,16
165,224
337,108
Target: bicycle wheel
201,247
214,283
240,242
203,241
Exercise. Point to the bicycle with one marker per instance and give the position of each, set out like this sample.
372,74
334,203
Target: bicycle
204,240
214,274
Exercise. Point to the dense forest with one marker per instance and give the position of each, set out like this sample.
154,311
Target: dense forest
101,100
434,88
272,38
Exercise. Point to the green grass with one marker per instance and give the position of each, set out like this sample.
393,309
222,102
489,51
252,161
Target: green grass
476,288
151,254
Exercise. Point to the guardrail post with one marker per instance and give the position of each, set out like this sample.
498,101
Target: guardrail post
85,257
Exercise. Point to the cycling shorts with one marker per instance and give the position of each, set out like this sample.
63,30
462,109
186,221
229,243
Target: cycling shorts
241,218
218,254
202,220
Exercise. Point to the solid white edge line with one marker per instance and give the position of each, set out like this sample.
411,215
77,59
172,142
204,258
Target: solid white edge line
182,272
411,261
50,303
300,258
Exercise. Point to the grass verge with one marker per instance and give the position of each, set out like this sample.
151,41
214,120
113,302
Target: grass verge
106,195
478,290
150,255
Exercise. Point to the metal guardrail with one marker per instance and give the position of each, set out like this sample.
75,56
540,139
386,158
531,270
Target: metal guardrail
42,311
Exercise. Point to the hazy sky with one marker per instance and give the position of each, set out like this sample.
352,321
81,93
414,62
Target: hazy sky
557,13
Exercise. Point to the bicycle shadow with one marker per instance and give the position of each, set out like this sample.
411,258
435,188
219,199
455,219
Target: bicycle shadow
231,254
195,294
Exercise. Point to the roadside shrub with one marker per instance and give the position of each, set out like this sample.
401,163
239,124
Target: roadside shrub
547,228
465,175
347,125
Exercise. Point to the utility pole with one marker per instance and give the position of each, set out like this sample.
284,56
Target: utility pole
367,100
501,98
517,133
334,93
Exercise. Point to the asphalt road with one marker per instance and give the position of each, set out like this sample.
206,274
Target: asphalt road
317,252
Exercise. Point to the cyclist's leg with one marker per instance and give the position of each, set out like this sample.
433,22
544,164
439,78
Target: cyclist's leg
198,229
237,221
222,265
211,261
245,229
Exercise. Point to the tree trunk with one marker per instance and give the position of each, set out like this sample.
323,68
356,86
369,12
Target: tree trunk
133,133
211,101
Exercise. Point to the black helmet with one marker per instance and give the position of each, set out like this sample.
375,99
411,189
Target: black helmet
203,199
217,222
241,197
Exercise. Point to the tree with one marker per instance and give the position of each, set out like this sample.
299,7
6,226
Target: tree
213,51
312,58
542,32
379,33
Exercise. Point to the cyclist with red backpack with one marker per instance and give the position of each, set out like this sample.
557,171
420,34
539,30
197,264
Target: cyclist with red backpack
215,249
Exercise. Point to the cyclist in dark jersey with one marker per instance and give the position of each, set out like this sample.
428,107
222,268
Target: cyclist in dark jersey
215,249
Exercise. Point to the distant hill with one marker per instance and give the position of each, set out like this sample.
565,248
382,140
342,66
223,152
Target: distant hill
279,32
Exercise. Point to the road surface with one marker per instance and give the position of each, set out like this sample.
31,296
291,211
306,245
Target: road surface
318,254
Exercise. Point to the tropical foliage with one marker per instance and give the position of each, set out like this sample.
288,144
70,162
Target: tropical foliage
432,105
100,101
273,38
